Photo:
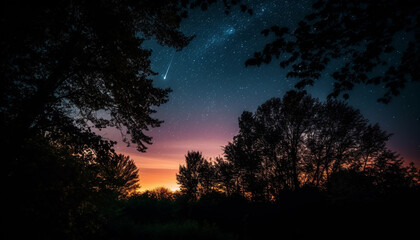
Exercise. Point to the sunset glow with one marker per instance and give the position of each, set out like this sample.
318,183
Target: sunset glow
159,165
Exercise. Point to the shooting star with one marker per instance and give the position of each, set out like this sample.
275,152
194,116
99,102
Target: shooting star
167,70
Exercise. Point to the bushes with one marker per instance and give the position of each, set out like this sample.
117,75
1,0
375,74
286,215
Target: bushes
307,213
145,217
188,229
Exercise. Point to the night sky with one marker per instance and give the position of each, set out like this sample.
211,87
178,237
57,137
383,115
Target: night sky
212,87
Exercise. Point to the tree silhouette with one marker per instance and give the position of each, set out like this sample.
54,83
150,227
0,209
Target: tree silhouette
299,141
340,137
119,174
188,175
67,56
389,173
159,193
248,165
377,43
197,177
226,179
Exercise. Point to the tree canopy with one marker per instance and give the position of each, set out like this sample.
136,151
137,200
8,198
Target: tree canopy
77,58
197,177
368,42
300,142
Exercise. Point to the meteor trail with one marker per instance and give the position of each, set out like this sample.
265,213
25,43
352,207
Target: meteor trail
170,63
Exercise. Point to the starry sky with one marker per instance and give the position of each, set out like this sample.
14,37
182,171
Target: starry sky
212,87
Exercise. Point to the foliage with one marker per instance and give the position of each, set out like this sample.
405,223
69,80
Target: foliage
299,142
76,56
377,42
197,176
160,193
60,189
184,230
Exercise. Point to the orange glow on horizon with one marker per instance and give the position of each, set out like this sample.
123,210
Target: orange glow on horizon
151,178
160,164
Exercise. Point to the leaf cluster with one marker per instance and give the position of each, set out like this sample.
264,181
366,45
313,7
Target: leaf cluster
365,42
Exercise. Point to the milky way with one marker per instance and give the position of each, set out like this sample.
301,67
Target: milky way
212,87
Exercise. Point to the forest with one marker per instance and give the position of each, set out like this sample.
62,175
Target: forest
300,167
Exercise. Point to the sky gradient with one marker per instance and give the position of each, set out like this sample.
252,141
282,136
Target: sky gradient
212,87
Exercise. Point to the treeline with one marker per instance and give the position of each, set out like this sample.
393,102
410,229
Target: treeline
299,142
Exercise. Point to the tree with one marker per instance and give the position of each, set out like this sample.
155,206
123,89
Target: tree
119,174
197,177
377,43
339,138
248,167
389,173
226,178
299,141
188,175
78,56
159,193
